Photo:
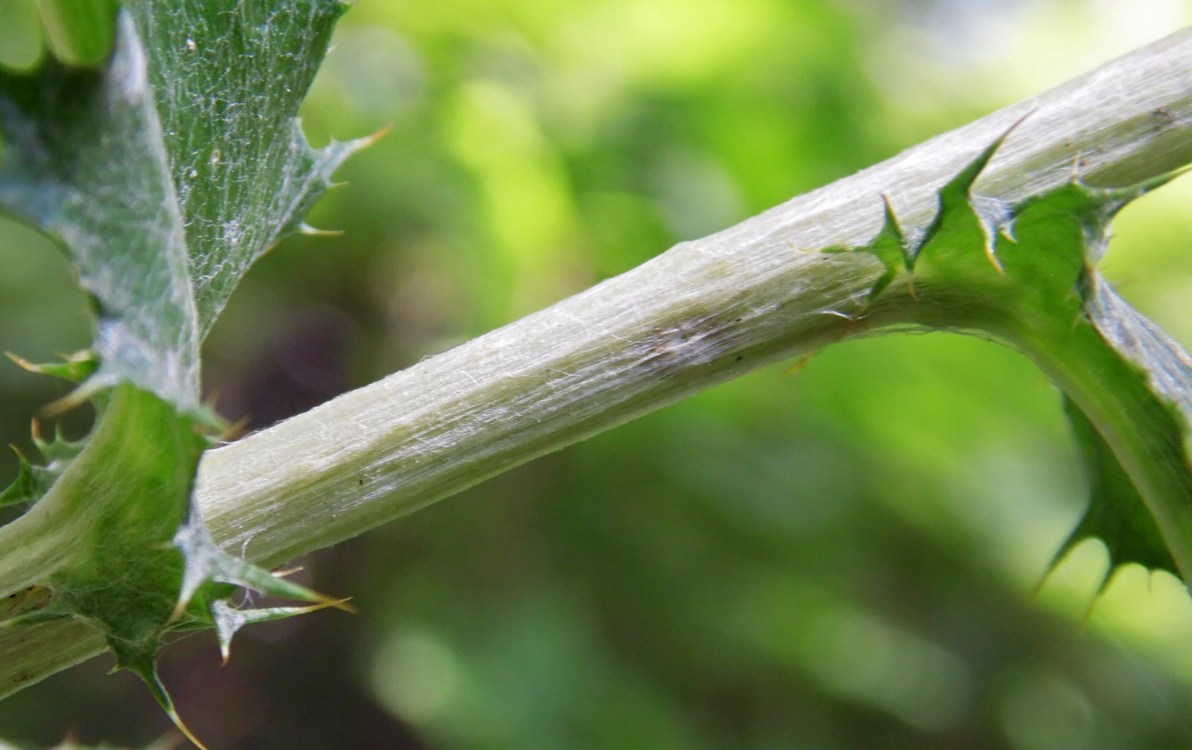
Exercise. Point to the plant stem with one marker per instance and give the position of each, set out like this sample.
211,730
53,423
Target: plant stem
701,313
697,315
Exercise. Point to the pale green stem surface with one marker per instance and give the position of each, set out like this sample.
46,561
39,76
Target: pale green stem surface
699,314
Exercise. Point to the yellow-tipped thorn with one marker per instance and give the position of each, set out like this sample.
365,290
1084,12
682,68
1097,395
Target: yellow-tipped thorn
991,255
369,140
343,606
325,603
174,717
23,363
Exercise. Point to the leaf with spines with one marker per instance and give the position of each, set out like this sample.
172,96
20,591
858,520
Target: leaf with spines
229,79
1116,515
1025,275
891,247
84,163
166,175
74,368
34,480
162,176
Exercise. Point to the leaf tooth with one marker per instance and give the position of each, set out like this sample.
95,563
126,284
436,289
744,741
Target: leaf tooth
1117,515
24,487
956,194
193,540
75,367
1102,587
891,249
891,233
91,388
1123,195
957,189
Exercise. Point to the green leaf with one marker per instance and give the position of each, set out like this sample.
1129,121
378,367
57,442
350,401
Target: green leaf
1116,514
162,176
85,164
25,488
75,367
165,176
1025,275
34,480
890,247
230,79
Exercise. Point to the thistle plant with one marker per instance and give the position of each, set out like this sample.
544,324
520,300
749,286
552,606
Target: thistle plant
168,162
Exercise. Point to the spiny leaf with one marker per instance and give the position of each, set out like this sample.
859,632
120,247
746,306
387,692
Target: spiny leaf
205,562
162,176
117,504
1128,385
890,246
86,166
955,197
75,367
34,480
238,194
1116,514
898,248
25,488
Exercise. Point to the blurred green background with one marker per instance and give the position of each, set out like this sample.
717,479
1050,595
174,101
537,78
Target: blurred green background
839,557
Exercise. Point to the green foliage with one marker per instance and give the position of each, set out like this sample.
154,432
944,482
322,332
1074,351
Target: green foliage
1035,286
163,177
660,553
